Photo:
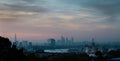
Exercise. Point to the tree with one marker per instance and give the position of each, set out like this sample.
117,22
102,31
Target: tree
5,45
113,54
99,56
8,53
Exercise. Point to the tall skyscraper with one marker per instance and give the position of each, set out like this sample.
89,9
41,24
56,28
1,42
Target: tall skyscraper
62,41
51,42
72,39
93,42
15,39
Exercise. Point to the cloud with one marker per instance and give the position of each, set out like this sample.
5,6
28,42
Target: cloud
25,8
39,18
109,8
12,17
28,6
29,1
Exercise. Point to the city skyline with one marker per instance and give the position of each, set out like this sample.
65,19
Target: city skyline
44,19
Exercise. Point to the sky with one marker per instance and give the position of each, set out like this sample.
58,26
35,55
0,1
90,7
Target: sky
38,20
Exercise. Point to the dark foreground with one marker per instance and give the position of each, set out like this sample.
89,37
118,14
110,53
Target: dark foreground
9,52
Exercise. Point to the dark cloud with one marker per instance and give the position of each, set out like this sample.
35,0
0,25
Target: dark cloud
34,1
30,1
24,5
109,8
27,8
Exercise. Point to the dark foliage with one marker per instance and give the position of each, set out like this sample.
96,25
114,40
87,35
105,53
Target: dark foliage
8,53
99,56
113,54
70,57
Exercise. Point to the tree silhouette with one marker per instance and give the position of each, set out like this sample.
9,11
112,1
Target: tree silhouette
8,53
99,56
70,57
5,45
113,54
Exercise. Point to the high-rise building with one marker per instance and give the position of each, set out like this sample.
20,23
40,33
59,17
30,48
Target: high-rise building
62,40
93,49
72,39
15,40
67,40
51,42
93,42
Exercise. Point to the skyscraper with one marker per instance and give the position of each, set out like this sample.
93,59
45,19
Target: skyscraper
93,42
51,42
72,39
62,39
15,38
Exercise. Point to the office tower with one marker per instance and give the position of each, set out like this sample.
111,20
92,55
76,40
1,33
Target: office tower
51,42
93,42
15,40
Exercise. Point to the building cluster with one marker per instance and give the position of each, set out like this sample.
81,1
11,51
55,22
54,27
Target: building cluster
92,48
63,45
22,44
61,42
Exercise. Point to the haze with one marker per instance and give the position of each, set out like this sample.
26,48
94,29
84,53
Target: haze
43,19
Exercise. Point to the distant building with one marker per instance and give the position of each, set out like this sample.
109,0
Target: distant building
93,42
30,44
25,44
72,39
62,40
15,42
51,42
90,49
